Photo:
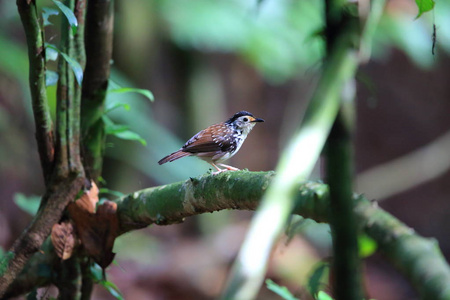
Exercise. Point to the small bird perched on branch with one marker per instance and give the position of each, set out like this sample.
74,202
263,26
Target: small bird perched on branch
218,142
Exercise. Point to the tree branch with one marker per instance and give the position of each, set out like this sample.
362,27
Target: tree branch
56,200
68,159
418,258
99,36
342,29
36,56
66,181
30,277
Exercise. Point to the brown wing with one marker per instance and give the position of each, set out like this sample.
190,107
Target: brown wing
215,138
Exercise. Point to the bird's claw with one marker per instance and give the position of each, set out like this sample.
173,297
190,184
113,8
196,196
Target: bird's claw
219,171
229,167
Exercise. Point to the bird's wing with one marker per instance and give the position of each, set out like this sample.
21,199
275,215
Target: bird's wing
215,138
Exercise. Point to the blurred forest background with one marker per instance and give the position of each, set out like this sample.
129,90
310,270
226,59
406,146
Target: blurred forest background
205,60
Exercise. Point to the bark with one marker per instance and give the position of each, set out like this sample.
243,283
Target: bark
99,36
30,241
36,57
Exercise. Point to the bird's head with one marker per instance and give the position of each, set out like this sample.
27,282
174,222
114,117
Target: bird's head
243,120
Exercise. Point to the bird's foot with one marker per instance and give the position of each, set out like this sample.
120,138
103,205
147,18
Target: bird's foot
227,167
219,171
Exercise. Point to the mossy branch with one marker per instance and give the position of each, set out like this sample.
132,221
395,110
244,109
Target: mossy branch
36,57
68,159
418,258
99,37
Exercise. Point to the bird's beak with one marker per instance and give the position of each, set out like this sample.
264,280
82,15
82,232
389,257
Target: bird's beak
257,120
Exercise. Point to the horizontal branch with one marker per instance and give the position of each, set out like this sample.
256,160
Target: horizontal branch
418,258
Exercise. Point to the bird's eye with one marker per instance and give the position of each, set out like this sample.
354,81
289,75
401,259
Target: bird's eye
245,119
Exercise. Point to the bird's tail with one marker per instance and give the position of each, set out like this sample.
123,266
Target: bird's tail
174,156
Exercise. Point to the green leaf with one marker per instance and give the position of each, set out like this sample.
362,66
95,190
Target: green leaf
47,12
74,65
323,296
116,105
130,135
424,6
76,68
121,131
28,204
280,290
112,289
146,93
96,273
51,54
314,281
111,127
73,22
97,276
51,78
367,246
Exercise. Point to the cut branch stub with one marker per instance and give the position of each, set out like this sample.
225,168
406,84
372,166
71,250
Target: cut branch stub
96,230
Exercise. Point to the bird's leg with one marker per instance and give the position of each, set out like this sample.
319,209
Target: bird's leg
217,168
229,167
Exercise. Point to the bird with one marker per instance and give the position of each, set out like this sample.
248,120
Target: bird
218,142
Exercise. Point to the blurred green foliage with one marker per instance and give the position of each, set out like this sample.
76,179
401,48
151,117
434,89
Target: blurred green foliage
367,246
29,204
159,141
318,278
278,38
97,276
282,291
